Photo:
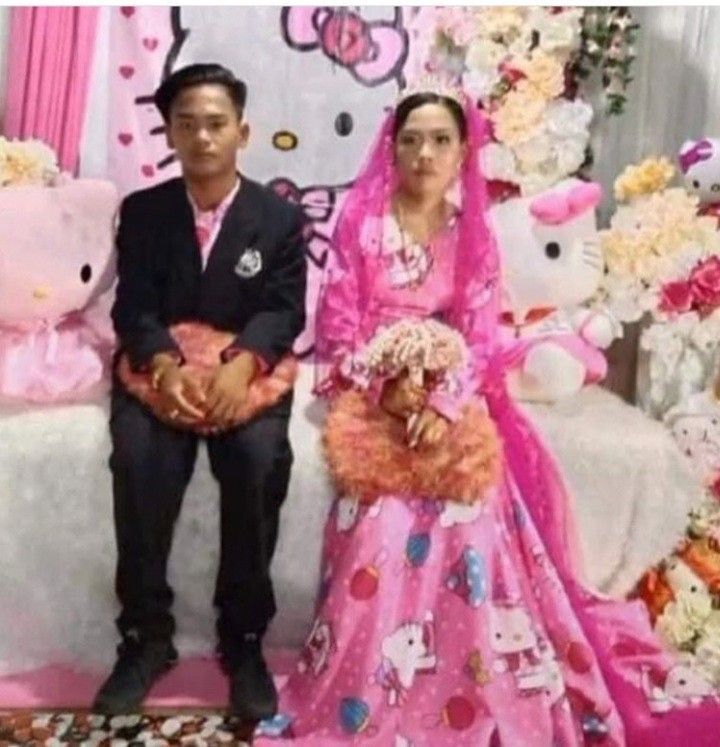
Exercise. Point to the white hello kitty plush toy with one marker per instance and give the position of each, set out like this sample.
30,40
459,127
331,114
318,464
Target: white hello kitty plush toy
552,264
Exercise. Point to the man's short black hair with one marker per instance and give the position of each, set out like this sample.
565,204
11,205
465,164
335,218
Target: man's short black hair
197,75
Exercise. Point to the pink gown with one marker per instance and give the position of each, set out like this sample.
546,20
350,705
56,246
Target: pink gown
440,625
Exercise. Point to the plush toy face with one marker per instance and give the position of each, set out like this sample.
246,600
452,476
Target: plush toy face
698,438
695,425
549,245
56,248
700,165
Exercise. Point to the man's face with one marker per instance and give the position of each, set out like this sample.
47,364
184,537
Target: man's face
206,131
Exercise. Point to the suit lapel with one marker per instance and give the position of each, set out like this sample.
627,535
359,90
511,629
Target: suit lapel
239,228
184,238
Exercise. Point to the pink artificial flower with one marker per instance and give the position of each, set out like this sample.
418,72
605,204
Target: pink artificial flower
511,74
715,488
705,283
676,297
457,23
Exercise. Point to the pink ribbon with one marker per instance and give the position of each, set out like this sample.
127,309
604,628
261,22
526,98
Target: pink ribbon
558,207
700,151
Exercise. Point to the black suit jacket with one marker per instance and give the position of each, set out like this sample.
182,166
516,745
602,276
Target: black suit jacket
161,281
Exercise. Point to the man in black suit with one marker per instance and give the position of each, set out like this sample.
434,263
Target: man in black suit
215,247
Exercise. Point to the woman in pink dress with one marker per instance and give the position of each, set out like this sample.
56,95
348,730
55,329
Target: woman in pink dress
445,623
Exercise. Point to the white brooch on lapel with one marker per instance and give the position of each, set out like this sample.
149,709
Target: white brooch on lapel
249,264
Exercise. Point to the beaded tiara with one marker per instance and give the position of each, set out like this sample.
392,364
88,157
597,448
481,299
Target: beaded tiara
430,83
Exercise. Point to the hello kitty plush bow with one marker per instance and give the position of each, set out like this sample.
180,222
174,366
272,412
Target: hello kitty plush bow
700,151
372,51
559,207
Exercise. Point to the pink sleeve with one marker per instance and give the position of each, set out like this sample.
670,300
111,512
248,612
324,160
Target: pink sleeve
447,405
337,333
451,395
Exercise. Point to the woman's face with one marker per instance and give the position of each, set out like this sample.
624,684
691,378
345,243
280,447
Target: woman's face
428,151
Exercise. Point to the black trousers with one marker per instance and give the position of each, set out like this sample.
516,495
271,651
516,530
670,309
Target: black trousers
151,466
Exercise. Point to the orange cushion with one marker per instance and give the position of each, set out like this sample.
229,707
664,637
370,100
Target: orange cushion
201,346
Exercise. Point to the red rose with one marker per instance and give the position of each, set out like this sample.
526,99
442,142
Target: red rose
705,282
715,487
676,297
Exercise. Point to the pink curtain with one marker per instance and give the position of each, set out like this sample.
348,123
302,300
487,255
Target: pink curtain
48,76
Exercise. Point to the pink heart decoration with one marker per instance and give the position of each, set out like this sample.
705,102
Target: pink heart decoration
127,71
127,10
150,43
125,138
147,170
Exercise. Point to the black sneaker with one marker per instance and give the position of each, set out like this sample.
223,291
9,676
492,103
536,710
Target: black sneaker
138,667
253,696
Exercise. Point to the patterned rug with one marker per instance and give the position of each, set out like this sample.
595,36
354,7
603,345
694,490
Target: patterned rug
45,729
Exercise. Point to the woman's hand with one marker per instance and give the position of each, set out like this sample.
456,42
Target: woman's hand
402,398
427,428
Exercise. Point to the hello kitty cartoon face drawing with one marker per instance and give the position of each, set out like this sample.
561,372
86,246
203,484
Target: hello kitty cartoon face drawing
319,81
514,641
511,630
407,651
683,685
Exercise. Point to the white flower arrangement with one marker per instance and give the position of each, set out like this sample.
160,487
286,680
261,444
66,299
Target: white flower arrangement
683,357
522,64
684,619
655,238
27,162
662,266
554,148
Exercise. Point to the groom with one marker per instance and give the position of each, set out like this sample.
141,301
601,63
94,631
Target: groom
215,247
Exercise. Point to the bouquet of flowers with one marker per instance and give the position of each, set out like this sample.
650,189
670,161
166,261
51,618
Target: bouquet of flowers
25,162
367,449
524,65
427,350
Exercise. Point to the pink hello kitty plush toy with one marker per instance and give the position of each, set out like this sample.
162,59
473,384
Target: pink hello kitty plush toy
552,264
56,261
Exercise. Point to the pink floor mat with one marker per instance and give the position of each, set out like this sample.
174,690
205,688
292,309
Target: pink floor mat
193,683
